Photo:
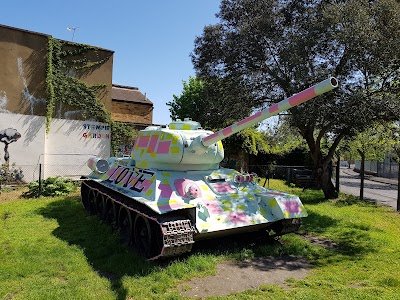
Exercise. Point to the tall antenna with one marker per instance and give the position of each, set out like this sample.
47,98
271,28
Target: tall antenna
73,29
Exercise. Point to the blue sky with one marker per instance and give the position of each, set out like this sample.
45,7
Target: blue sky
152,39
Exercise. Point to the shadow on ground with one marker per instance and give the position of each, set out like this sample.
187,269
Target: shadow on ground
101,246
113,260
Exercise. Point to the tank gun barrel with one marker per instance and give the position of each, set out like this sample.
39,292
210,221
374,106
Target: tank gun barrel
297,99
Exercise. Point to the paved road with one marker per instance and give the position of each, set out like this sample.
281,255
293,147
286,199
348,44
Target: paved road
382,193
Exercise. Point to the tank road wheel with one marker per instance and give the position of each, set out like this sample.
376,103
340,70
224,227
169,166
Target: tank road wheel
88,198
125,225
142,235
92,202
109,211
99,205
85,193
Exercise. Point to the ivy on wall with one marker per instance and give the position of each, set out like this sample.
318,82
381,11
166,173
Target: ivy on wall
121,134
66,62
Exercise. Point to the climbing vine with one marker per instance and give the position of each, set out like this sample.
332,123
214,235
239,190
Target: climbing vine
67,62
121,134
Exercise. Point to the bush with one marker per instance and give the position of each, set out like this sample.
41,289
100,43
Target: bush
10,174
52,186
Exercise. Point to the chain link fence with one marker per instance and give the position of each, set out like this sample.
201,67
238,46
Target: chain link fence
389,168
71,166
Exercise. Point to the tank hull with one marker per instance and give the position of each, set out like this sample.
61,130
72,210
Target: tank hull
180,207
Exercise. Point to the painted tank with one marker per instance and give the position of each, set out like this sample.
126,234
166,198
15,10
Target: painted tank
172,192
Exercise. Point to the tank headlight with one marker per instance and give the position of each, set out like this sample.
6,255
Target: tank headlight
98,165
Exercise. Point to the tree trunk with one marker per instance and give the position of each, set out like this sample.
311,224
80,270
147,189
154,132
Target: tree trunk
324,180
398,185
362,174
337,186
322,164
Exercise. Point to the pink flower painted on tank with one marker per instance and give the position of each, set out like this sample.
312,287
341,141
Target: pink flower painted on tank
237,217
214,207
292,207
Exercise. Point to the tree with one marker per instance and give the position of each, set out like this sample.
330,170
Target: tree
197,102
370,144
210,103
273,49
395,137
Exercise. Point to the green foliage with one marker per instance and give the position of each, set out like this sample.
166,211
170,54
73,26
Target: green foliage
395,139
191,102
121,134
208,102
10,174
283,139
277,48
373,143
67,62
52,186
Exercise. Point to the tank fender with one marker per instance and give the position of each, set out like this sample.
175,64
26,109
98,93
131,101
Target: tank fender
279,206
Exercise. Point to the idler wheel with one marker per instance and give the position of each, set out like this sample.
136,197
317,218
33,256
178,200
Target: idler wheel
142,235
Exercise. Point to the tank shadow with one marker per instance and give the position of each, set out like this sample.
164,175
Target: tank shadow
99,243
112,260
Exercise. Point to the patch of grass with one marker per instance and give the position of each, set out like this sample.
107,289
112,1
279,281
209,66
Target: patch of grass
50,249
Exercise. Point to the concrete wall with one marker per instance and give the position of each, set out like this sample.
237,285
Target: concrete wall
69,145
64,151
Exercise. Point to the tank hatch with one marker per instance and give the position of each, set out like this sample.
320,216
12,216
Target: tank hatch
186,124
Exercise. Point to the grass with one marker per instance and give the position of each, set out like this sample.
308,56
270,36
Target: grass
50,249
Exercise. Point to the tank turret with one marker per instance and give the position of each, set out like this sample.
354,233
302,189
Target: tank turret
172,192
185,146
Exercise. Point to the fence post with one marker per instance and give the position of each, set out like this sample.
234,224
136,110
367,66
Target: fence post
40,179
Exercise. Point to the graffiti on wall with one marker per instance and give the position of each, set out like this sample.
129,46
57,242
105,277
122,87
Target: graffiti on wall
8,136
3,102
96,131
26,95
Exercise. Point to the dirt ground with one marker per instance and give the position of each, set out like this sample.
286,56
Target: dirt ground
9,194
232,277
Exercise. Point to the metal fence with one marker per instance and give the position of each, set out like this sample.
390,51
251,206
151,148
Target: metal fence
389,168
15,174
277,171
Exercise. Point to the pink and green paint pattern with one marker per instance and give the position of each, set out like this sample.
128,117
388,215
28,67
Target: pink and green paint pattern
296,99
219,205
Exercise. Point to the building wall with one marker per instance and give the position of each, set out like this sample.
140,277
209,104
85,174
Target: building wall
64,151
23,63
124,111
23,71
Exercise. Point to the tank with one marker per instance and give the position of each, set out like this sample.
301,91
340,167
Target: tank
172,192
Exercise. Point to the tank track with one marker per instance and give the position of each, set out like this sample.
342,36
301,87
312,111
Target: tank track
169,235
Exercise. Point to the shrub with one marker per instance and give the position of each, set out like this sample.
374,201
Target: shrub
10,174
52,186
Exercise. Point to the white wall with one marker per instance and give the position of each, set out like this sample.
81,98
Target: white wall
70,143
64,151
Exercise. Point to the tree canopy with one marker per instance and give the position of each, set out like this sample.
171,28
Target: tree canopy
271,49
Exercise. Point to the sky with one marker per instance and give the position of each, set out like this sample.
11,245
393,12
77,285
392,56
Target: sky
152,40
